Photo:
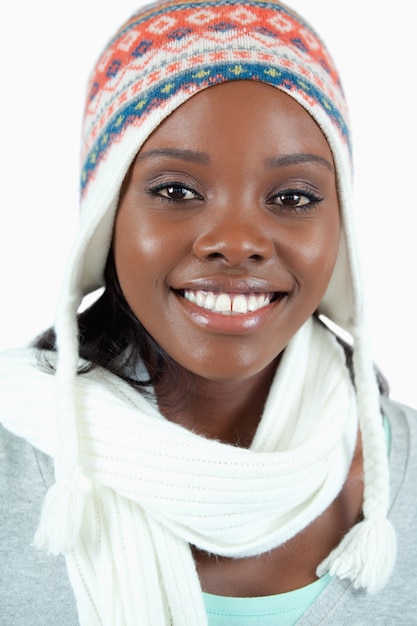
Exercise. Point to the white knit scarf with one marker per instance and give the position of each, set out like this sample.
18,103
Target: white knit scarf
153,487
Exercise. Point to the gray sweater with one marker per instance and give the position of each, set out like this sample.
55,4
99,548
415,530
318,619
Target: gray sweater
35,589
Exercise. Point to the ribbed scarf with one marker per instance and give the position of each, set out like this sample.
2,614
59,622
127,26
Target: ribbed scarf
153,487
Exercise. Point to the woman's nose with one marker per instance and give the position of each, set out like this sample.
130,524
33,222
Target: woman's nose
235,242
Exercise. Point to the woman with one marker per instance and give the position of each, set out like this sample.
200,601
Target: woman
208,463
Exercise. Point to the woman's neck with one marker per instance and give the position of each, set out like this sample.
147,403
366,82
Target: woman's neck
228,411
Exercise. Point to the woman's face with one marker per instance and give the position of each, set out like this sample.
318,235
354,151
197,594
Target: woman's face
228,228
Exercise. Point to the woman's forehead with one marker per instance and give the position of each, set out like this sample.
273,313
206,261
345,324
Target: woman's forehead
239,112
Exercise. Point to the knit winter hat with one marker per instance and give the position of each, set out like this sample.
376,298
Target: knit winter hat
160,58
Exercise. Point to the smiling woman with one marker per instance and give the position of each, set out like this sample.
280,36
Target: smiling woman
214,454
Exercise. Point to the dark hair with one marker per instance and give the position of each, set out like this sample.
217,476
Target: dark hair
112,337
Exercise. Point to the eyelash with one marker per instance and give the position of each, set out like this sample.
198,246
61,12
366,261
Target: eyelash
156,192
313,199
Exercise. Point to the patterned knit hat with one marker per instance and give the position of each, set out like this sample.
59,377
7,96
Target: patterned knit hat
160,58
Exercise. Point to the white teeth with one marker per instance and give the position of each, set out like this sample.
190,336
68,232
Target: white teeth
210,302
252,303
240,304
224,303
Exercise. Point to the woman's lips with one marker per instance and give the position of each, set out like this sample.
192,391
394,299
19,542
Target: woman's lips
228,320
230,305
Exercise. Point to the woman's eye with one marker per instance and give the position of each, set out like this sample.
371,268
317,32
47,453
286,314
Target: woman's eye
295,200
176,192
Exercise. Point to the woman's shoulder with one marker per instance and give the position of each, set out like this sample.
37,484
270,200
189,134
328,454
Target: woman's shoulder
340,602
22,467
36,590
400,416
402,423
21,406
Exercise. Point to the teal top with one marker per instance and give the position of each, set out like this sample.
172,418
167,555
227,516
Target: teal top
283,609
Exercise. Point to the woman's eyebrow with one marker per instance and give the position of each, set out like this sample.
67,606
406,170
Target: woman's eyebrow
296,159
204,159
177,153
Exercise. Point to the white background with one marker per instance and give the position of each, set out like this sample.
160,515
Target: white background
47,51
